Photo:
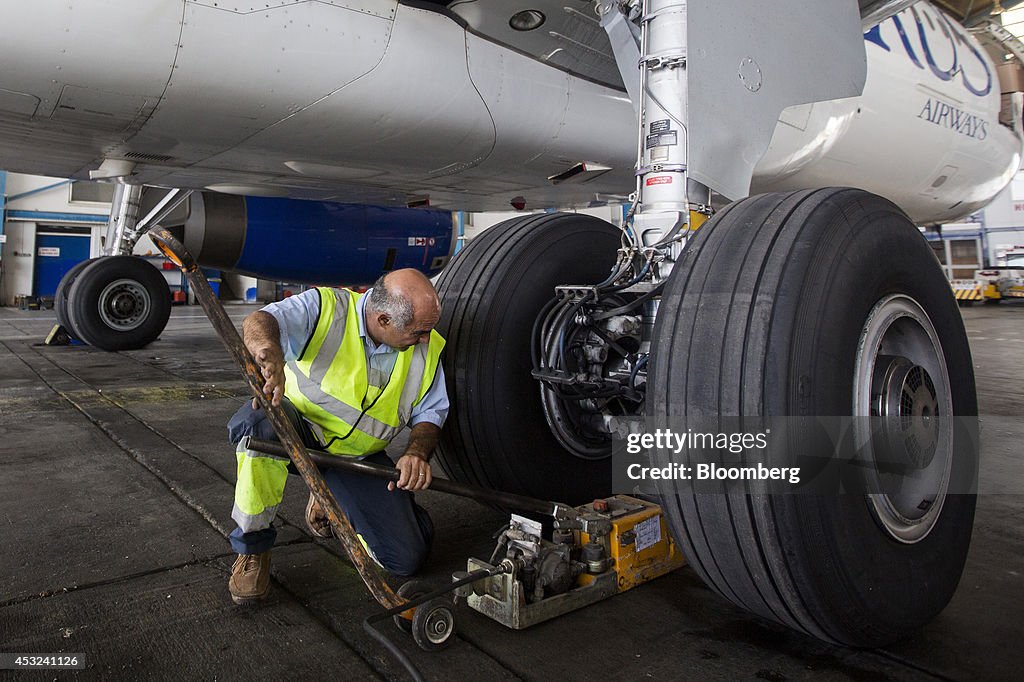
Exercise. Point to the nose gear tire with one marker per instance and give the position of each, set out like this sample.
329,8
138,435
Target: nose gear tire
119,303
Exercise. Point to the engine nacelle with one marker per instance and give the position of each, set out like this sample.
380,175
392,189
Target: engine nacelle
934,131
315,242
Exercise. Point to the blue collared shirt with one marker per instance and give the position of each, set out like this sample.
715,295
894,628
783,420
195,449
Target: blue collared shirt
297,316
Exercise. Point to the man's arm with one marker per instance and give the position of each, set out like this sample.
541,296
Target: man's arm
426,421
262,337
414,463
277,334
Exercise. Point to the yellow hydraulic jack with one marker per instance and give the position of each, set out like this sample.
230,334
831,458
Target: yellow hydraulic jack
606,547
595,551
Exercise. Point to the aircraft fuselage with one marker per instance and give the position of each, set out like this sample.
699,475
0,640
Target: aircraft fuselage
315,100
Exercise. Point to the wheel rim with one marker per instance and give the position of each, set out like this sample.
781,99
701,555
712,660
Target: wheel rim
901,377
438,625
124,304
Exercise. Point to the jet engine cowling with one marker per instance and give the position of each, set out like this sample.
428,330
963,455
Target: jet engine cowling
315,242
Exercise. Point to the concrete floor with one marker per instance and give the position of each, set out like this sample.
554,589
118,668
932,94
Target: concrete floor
115,497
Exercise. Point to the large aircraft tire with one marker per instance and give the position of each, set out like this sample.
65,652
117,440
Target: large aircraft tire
119,303
776,307
60,304
496,434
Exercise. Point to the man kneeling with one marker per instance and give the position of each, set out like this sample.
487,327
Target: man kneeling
350,370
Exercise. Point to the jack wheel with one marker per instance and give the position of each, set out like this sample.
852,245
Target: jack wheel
433,624
409,591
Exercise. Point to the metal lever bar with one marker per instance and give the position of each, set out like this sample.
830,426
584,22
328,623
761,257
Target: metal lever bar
371,574
441,485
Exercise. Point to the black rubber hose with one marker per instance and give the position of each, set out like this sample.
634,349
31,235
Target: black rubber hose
547,328
643,272
399,655
643,298
636,370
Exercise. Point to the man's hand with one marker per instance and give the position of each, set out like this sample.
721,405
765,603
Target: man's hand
413,464
415,473
271,362
262,338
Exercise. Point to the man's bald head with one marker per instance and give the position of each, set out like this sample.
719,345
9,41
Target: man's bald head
402,308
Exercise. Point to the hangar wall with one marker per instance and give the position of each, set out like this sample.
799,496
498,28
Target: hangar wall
31,205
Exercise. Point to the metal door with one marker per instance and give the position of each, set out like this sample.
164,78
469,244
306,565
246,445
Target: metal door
55,255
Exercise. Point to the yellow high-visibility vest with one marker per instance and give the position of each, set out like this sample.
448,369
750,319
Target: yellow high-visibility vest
330,387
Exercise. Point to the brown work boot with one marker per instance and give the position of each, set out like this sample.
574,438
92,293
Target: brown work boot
250,578
316,519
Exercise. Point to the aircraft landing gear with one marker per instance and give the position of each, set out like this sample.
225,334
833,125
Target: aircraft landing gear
119,302
824,303
116,303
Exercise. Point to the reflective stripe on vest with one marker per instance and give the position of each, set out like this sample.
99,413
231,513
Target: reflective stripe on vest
259,490
330,387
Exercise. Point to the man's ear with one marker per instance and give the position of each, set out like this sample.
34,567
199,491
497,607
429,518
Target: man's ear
383,320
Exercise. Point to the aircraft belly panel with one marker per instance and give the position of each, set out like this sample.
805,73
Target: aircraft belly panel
379,8
75,83
547,121
416,114
56,43
238,74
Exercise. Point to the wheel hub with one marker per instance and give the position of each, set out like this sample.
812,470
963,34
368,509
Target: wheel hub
906,399
124,304
438,625
590,368
902,384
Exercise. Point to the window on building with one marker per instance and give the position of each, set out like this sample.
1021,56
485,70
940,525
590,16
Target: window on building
85,192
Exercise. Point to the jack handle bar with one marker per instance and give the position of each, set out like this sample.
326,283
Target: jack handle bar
507,500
